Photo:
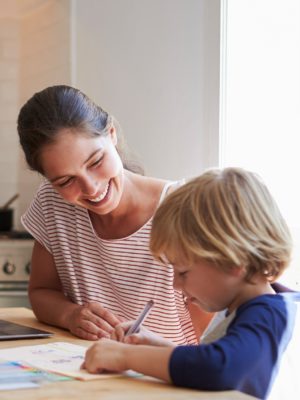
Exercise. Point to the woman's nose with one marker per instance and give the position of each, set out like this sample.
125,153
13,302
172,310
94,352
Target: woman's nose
89,186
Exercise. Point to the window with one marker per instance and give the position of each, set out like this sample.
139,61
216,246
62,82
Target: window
260,127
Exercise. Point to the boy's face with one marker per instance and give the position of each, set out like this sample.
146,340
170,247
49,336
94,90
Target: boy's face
208,286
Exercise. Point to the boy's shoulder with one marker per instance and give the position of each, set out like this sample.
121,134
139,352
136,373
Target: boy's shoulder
267,308
272,312
272,300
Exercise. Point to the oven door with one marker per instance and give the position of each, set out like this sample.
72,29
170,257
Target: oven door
14,294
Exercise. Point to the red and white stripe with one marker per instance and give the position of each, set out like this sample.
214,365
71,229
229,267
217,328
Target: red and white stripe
121,274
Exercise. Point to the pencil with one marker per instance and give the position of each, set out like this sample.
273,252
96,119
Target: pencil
143,315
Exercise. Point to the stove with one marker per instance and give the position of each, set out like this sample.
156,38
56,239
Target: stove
15,255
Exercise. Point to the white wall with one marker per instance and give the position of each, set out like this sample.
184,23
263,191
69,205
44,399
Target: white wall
9,75
35,49
45,60
154,64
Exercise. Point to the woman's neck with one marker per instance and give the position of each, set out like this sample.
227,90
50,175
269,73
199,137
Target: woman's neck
137,205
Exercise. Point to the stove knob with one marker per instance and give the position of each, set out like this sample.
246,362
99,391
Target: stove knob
9,268
27,268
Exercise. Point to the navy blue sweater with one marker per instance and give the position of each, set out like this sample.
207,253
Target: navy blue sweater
247,357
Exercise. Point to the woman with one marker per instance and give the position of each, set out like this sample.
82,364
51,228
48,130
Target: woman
91,265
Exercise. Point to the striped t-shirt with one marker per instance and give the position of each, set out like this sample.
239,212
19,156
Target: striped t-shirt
121,274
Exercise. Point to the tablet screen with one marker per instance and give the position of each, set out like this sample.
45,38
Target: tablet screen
11,331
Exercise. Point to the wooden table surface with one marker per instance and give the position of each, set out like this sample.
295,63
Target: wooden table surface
124,388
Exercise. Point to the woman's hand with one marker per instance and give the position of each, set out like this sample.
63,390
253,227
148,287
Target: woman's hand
105,355
92,321
143,336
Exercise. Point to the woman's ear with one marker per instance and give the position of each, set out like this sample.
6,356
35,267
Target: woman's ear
113,135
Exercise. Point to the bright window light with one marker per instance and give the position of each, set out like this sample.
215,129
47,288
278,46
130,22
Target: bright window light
261,102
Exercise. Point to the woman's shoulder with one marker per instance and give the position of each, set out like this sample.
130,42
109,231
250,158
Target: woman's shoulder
45,187
157,184
151,191
173,185
47,197
48,205
161,188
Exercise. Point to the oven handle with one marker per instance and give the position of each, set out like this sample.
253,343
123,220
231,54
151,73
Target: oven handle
13,293
15,286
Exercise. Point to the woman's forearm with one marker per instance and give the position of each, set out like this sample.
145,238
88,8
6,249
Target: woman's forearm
89,321
52,307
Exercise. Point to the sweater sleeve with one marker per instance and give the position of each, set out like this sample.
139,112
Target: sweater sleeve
244,359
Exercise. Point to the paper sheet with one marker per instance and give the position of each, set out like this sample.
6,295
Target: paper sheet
59,357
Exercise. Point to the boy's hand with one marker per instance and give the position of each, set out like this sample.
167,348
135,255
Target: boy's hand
143,336
105,355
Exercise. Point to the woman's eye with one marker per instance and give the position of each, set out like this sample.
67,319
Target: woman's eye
97,162
65,183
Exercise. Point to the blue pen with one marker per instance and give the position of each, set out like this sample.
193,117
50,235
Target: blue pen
136,325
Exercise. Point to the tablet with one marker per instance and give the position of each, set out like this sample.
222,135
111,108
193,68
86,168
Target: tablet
11,331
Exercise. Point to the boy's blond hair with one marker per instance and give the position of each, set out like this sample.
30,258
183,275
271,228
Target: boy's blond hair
227,217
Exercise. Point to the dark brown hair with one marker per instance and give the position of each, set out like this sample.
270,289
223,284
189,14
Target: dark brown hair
58,107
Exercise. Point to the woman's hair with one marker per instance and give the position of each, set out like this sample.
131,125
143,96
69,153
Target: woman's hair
226,217
55,108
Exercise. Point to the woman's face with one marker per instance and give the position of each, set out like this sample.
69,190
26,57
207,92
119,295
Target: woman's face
85,170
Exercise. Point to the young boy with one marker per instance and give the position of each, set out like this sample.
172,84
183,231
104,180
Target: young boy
227,241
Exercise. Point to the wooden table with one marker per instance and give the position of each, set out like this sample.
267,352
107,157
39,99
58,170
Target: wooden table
124,388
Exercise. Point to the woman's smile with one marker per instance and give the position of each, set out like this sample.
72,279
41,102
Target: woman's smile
101,198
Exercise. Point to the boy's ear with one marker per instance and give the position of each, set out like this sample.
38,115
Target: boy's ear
237,271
